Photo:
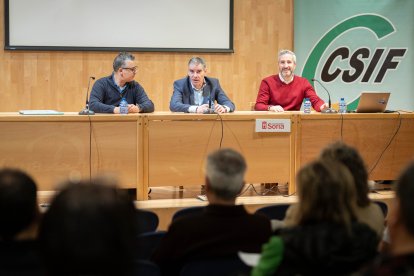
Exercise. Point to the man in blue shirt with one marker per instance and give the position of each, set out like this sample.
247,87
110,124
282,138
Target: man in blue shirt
107,92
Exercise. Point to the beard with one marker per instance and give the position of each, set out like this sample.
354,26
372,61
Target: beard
287,73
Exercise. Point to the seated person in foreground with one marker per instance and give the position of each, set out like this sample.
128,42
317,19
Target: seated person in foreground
89,229
286,91
223,228
399,260
325,237
19,220
197,93
107,92
367,212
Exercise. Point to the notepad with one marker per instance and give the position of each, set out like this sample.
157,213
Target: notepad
40,112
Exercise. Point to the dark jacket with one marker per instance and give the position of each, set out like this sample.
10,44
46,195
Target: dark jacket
105,96
20,258
220,231
326,249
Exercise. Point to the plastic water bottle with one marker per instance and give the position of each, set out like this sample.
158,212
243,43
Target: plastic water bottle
342,106
307,106
123,106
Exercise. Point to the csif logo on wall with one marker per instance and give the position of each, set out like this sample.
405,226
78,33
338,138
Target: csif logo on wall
344,65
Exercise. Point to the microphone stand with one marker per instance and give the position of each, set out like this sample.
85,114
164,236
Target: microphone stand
86,110
329,109
210,110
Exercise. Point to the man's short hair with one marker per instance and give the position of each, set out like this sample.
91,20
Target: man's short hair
18,202
120,60
405,195
287,52
225,171
196,61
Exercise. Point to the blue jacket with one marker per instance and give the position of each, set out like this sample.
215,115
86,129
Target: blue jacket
105,96
183,95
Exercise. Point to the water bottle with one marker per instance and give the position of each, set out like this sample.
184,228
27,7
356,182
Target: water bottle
123,106
307,106
342,106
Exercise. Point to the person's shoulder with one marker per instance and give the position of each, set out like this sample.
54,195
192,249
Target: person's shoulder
104,80
260,219
188,219
271,79
372,210
135,84
212,80
301,79
181,81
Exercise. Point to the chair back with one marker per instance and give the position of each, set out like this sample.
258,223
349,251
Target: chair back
219,267
188,211
383,206
147,268
147,243
147,221
252,105
277,211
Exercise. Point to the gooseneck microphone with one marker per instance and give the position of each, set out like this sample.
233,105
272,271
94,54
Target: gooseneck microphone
210,109
329,109
86,110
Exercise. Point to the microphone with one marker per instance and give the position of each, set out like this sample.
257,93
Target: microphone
86,110
329,109
210,110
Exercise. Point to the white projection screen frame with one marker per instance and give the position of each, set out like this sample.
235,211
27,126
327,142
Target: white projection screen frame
113,25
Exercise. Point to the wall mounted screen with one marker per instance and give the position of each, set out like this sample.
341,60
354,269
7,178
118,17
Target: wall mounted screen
131,25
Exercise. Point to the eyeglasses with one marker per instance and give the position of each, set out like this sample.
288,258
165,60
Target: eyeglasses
132,69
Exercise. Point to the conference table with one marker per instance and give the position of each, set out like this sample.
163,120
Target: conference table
57,148
176,146
384,140
169,149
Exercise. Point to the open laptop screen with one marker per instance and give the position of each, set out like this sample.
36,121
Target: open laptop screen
371,102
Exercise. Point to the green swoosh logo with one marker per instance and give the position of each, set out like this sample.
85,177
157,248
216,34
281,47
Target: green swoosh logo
379,25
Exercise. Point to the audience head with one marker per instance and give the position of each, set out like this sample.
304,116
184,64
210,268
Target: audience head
225,171
18,203
89,229
350,157
326,194
405,196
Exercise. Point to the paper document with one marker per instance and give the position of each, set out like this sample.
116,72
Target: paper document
202,197
250,259
40,112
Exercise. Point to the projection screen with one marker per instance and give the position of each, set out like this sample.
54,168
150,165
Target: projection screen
113,25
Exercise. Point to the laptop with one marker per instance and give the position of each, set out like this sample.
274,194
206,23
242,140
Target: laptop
371,102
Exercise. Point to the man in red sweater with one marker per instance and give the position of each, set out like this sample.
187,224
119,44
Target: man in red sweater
286,91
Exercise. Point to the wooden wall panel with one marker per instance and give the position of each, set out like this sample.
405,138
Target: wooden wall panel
58,80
